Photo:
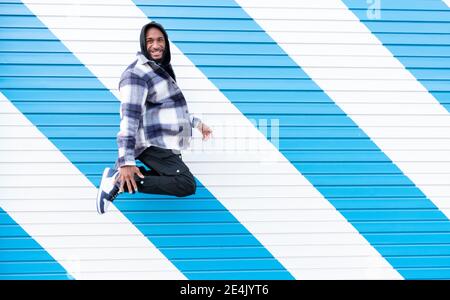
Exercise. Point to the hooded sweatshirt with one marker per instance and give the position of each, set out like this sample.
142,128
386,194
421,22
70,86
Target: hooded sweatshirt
165,61
153,110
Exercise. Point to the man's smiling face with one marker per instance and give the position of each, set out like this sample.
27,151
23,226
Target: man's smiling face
156,43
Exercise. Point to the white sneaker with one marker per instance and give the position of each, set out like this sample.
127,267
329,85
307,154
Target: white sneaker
108,190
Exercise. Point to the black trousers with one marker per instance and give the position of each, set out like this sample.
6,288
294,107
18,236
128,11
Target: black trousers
168,174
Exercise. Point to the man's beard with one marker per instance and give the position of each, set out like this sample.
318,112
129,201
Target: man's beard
159,60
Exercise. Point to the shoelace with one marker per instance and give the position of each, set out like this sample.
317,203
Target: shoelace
114,197
115,193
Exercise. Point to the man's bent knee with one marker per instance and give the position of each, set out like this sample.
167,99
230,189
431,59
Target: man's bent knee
186,184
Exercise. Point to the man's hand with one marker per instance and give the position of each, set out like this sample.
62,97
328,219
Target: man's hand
126,176
205,130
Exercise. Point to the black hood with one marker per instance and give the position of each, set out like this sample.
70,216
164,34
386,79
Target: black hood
165,61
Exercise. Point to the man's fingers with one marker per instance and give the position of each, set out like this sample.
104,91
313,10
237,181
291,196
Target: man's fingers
206,134
133,182
121,187
130,190
139,174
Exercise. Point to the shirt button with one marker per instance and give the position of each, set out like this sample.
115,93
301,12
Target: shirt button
178,171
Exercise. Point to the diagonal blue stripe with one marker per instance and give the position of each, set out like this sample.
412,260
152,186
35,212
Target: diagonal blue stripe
17,261
379,182
417,33
198,234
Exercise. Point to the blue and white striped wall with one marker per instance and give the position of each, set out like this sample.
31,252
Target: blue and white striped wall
331,149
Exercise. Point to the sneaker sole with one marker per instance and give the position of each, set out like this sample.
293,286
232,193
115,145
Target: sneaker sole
100,189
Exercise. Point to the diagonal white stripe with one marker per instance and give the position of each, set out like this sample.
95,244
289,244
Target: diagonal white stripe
289,217
87,245
375,104
447,2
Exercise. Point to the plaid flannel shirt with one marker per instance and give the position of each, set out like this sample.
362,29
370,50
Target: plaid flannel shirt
153,111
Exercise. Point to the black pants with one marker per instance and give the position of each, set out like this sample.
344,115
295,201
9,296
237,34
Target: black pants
169,175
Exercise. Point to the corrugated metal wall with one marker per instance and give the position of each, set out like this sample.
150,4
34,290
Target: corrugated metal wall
356,186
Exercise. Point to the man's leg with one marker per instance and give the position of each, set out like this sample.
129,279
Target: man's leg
170,176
